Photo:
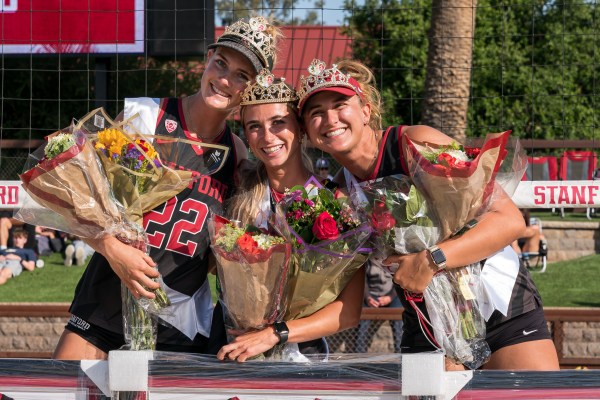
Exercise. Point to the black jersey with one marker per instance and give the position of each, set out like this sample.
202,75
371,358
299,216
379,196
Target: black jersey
177,233
525,296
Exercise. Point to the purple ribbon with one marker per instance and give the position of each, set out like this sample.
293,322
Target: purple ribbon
318,248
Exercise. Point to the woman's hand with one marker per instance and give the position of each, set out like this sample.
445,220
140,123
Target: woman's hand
249,345
414,272
134,267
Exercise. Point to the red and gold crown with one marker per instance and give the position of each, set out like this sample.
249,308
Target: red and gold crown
250,38
321,79
268,89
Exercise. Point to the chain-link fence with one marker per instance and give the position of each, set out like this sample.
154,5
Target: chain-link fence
12,162
372,336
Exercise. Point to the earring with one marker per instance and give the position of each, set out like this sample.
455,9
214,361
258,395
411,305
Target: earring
301,138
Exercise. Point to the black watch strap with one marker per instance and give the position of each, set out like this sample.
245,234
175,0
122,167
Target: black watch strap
281,330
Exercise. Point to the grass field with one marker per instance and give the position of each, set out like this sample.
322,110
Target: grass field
572,283
571,215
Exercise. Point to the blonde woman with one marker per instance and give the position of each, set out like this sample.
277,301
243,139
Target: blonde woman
177,232
341,110
275,137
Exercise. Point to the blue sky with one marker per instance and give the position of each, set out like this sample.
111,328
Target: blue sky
331,14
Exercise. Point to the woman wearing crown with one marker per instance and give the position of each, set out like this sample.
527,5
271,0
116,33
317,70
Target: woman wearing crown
179,242
340,108
275,137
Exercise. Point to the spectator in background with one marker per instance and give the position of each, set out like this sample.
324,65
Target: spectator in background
532,241
379,292
77,251
48,241
14,259
7,223
322,169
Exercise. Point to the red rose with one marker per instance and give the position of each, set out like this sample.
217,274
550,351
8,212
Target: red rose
325,227
247,244
379,206
451,162
382,221
472,152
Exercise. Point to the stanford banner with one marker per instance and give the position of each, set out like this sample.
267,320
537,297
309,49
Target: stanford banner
11,194
550,194
71,26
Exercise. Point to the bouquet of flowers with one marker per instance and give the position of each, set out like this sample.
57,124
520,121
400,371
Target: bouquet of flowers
94,179
448,187
252,267
328,236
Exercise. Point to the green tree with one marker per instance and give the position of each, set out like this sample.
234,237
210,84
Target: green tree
390,36
534,67
449,60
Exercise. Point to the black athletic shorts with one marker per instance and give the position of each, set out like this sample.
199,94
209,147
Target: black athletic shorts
169,338
524,328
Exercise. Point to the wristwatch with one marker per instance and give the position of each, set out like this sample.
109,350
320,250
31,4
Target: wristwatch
281,330
438,257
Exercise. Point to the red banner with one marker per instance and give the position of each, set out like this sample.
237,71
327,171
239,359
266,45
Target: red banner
71,26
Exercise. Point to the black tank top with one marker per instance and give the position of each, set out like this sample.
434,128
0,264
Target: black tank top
177,232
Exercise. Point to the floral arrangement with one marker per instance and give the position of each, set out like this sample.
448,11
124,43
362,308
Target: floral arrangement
328,235
136,155
250,240
454,155
457,184
90,181
252,267
58,144
446,187
318,217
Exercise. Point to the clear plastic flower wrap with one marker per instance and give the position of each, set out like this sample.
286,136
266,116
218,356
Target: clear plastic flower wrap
328,236
446,188
98,178
253,268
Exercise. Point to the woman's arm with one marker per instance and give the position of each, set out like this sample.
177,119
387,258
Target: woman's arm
496,229
134,267
343,313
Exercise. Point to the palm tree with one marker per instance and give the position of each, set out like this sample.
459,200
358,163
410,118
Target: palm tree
447,83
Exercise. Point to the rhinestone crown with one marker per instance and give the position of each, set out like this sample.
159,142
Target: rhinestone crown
320,77
252,33
268,89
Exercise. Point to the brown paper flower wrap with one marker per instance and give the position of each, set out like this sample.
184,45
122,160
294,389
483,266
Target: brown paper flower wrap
252,280
83,191
329,236
313,290
448,192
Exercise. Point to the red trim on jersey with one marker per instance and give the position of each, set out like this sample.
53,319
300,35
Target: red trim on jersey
187,133
277,196
400,153
380,155
163,106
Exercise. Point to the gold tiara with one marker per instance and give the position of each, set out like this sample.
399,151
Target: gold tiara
252,35
268,89
320,77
